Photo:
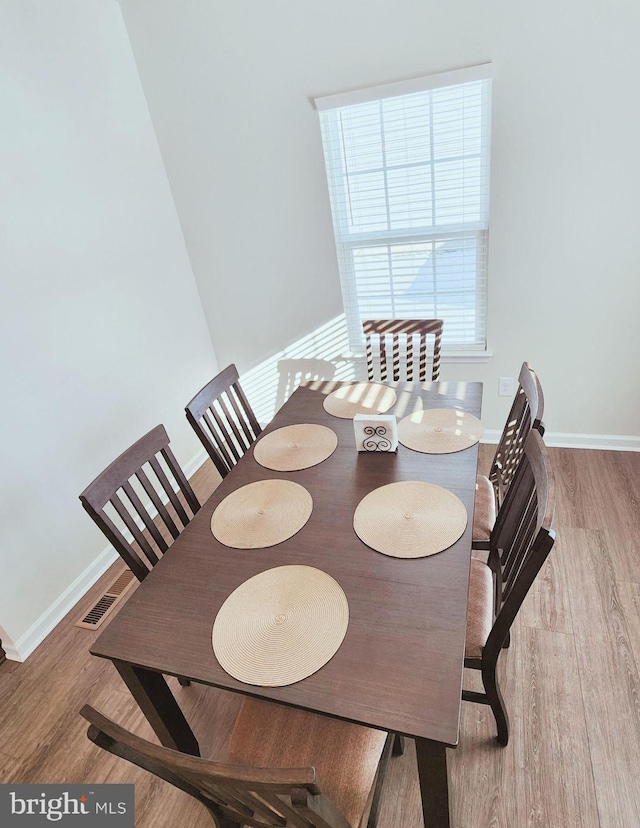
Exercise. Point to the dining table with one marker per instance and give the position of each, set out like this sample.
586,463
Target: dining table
400,665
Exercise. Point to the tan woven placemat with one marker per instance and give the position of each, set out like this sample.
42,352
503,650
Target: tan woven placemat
439,430
295,447
281,626
360,398
261,514
410,519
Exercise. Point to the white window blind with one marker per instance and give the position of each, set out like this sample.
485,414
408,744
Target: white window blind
408,173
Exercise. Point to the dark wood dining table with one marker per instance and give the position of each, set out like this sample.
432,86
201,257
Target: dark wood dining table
400,665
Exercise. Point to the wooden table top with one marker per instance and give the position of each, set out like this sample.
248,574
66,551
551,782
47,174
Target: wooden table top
400,665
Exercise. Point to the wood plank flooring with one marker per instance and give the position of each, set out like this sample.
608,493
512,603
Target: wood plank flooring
571,680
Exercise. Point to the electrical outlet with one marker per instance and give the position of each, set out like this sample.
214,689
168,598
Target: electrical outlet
506,387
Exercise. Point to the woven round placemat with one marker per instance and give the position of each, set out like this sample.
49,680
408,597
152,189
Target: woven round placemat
261,514
280,626
410,519
295,447
360,398
439,430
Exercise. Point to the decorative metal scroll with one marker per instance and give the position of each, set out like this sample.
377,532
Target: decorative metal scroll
376,432
377,439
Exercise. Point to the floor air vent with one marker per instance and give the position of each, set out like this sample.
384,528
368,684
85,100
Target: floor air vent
105,605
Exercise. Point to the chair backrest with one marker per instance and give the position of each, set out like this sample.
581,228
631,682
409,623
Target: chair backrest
112,497
293,372
223,419
234,795
523,534
526,413
402,333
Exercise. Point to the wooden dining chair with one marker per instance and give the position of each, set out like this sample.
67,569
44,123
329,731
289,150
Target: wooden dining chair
283,767
402,333
114,501
224,421
523,539
526,413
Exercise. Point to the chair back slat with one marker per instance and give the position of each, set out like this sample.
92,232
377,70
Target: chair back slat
263,806
223,420
291,816
240,405
523,534
131,524
520,550
402,333
241,795
258,805
396,358
320,813
117,495
233,802
181,480
409,352
525,414
163,512
169,490
150,526
369,347
382,344
223,449
227,427
422,371
122,546
518,532
243,402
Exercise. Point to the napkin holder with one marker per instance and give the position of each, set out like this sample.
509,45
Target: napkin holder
376,432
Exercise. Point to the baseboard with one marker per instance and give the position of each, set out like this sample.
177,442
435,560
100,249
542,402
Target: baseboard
606,442
52,616
194,464
11,654
74,593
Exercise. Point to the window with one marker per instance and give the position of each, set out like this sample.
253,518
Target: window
408,173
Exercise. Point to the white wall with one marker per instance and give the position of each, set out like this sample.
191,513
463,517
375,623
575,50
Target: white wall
229,86
102,333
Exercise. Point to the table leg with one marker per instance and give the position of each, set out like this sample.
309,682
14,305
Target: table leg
159,706
434,784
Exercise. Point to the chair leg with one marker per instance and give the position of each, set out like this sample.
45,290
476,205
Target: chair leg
398,745
507,642
387,752
183,682
494,697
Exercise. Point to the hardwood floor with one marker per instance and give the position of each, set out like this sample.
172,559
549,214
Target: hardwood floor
571,680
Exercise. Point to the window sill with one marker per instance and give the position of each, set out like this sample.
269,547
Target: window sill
446,357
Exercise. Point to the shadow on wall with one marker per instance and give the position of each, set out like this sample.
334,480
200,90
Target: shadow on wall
321,355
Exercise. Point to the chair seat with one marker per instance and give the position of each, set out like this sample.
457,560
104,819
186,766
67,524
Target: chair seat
480,612
484,513
345,756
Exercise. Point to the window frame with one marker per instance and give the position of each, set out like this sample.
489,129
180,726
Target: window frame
346,242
